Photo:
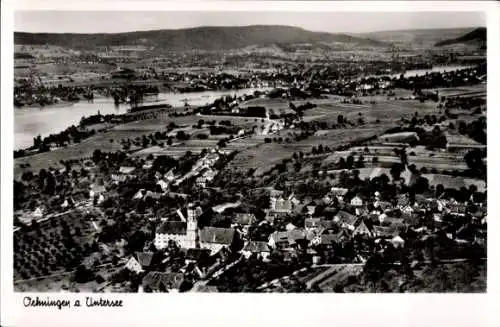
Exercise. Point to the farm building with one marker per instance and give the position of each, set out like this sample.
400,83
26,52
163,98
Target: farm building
403,137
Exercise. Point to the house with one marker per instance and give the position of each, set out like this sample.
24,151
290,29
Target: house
363,227
392,221
403,201
290,227
152,195
336,191
316,257
96,190
293,199
327,200
296,235
118,178
139,195
281,205
345,219
382,217
457,209
408,209
201,182
313,223
356,201
38,213
207,289
311,209
163,185
125,170
245,220
329,239
139,262
437,217
169,176
209,174
215,238
278,239
382,205
397,242
260,248
273,215
156,281
385,231
184,233
147,165
275,193
339,193
65,204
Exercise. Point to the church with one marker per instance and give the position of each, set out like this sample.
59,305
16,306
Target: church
183,232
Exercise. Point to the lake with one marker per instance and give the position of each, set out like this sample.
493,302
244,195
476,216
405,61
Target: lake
435,69
420,72
31,122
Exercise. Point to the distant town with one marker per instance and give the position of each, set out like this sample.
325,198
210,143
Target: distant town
347,165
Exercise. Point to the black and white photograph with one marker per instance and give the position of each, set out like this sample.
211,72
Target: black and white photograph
249,158
247,151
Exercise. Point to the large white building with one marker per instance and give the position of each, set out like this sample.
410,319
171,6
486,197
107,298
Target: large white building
184,232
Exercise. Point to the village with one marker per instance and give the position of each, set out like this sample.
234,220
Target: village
179,217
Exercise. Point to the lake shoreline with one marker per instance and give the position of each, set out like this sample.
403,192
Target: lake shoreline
29,122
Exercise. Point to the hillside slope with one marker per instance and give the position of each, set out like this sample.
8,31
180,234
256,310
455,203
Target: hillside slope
417,37
200,38
477,36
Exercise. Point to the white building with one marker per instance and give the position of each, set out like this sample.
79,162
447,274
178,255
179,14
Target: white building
184,233
356,201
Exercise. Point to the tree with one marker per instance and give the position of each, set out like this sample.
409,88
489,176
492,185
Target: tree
439,190
361,162
421,185
396,171
97,156
342,163
349,161
136,241
340,119
221,143
83,275
474,160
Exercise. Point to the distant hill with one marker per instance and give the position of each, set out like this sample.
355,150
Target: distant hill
199,38
477,36
417,37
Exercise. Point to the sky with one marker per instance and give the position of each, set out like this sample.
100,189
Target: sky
333,22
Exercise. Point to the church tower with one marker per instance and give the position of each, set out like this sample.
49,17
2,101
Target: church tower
192,227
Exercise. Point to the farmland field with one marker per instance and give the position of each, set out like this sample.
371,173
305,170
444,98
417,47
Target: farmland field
455,182
418,156
264,156
61,243
383,110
